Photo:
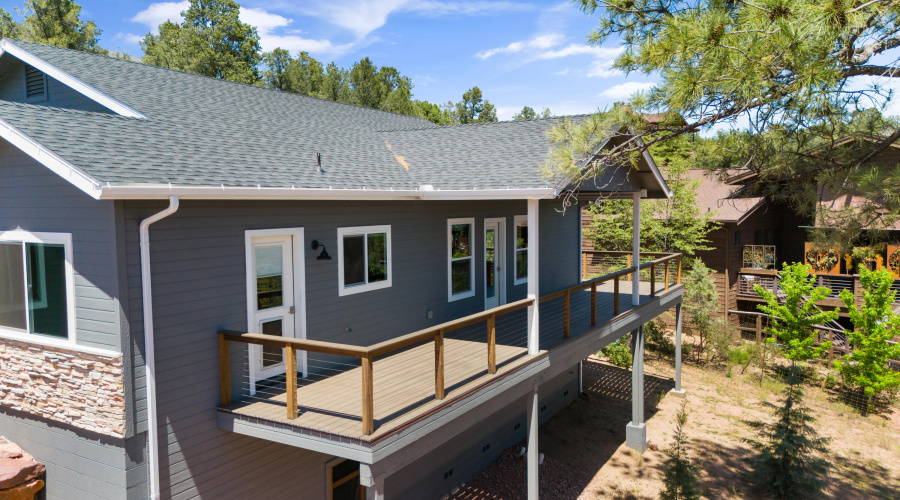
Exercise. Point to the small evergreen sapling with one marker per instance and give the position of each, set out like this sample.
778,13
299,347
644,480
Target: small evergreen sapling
787,465
680,475
874,324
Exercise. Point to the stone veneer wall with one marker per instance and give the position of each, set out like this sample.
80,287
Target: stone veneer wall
76,388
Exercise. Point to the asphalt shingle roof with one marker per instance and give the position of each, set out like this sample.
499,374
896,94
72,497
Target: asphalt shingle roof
208,132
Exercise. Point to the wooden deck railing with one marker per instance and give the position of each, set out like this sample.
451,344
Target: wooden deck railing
434,334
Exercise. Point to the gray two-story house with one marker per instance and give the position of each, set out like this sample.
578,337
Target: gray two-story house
216,290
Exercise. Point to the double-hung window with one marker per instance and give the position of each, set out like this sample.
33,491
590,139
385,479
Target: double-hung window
461,262
521,249
364,259
36,290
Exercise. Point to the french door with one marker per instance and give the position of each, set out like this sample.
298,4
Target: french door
275,298
494,263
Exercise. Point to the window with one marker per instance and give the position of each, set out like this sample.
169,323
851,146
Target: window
737,238
521,249
36,294
35,85
364,259
342,480
461,263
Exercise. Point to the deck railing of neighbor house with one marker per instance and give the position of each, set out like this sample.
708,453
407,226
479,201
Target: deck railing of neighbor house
435,335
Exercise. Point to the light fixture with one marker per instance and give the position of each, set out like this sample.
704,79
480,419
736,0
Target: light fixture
322,256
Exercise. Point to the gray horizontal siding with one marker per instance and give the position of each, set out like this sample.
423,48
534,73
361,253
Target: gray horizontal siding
12,88
79,464
198,262
35,199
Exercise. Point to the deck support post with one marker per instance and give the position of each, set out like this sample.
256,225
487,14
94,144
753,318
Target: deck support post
368,396
636,250
376,490
678,391
581,377
534,344
532,451
439,365
290,382
636,430
594,304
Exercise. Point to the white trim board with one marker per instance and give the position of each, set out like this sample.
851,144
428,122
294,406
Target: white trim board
8,47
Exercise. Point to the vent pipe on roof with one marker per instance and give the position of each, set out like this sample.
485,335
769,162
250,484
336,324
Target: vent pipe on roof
319,163
149,349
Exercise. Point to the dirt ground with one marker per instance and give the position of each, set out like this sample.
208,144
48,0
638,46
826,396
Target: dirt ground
586,456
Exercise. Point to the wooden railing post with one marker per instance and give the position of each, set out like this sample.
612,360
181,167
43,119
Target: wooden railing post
653,280
368,396
628,257
616,296
758,328
290,369
678,281
668,265
584,266
567,316
439,365
593,303
224,371
492,344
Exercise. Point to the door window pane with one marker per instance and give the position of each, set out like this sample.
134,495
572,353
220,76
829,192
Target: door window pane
269,264
47,289
12,286
354,260
377,246
489,257
272,355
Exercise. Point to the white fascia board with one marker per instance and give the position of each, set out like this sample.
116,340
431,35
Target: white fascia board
268,193
47,158
68,80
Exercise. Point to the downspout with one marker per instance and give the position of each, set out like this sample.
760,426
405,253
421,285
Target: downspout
149,353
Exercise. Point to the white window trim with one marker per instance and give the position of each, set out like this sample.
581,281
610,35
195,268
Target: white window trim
471,293
363,231
65,239
516,279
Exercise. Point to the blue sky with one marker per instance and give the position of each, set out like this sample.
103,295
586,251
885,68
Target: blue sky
519,53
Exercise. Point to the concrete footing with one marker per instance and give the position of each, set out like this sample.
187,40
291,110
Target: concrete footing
678,393
636,437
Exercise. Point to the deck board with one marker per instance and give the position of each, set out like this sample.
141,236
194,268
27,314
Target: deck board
404,381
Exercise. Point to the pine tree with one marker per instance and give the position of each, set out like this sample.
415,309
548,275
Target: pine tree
787,465
53,22
783,66
679,474
701,303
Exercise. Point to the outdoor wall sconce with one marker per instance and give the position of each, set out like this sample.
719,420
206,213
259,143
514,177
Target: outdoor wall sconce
322,256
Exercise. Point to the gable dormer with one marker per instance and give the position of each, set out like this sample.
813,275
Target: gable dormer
24,83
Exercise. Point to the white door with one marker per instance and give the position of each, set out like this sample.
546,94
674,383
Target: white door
494,253
273,300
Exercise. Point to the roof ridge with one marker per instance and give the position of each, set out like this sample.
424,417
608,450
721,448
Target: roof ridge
476,124
187,73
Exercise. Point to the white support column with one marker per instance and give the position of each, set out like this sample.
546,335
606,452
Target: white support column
532,450
581,377
636,430
678,391
636,249
376,491
534,338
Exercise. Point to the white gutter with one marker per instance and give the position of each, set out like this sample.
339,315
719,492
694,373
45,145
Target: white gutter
149,353
118,192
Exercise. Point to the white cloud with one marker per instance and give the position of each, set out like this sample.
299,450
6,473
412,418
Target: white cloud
576,49
272,28
624,90
160,12
129,38
536,43
362,17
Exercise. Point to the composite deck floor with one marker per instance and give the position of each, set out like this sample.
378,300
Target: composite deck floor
404,381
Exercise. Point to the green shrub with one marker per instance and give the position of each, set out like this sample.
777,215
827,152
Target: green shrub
680,476
656,340
744,356
619,352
